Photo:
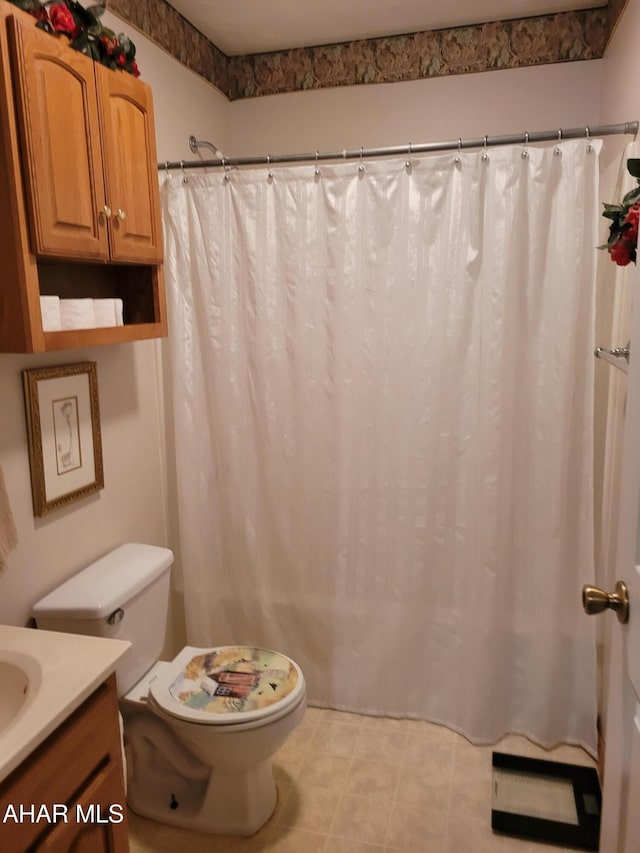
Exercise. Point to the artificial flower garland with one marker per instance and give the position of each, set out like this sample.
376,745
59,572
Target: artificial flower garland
622,244
84,30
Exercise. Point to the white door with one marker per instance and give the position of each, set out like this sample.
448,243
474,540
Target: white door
621,790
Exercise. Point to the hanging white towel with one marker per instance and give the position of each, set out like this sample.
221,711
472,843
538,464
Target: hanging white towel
8,532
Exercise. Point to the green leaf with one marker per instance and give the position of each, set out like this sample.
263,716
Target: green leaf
610,210
80,15
81,43
631,197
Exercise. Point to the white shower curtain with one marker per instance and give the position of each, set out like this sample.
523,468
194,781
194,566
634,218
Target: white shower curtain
383,380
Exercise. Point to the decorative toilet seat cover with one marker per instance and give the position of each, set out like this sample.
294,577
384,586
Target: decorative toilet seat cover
227,685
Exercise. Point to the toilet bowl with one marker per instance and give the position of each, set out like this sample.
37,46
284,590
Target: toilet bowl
200,730
203,760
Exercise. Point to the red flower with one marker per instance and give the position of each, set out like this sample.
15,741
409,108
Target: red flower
631,234
62,19
85,31
110,44
621,252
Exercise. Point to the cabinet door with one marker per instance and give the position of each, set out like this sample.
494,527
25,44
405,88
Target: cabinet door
57,116
131,169
96,821
79,766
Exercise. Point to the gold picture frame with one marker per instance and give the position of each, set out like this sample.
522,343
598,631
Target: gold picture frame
63,428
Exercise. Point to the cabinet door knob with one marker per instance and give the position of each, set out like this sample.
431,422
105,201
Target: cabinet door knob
107,211
121,215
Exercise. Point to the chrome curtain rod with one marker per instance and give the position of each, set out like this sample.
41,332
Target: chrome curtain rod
630,127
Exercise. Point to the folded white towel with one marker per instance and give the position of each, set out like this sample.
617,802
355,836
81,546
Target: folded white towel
50,310
77,314
119,306
104,312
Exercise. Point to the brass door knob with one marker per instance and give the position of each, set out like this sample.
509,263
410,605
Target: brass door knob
595,600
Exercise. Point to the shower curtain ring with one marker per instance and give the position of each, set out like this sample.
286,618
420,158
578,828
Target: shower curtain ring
557,150
458,158
185,179
485,156
269,172
361,166
589,146
166,168
317,169
407,163
525,151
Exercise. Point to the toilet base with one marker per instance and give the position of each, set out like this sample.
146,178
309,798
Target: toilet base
229,804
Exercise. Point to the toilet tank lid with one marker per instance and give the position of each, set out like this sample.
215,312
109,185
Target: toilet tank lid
107,584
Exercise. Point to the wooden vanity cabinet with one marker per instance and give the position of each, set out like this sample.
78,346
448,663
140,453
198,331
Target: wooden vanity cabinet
78,190
79,770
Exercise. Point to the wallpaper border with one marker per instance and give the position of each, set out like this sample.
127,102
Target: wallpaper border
499,45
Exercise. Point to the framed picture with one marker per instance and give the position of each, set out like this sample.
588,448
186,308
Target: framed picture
63,426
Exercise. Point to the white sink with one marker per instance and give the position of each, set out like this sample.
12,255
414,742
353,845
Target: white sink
20,679
44,677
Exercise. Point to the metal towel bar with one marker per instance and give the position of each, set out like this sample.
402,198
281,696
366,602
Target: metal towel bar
618,357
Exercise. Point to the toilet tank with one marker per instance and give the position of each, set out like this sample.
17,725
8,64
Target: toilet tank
123,595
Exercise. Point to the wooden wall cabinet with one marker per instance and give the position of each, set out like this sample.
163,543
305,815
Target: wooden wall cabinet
78,767
79,201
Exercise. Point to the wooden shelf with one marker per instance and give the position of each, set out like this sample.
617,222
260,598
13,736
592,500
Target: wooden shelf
77,338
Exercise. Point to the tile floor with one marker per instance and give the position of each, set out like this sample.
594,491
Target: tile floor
353,784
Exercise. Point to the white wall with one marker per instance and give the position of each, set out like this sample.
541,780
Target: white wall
620,93
133,504
470,105
184,103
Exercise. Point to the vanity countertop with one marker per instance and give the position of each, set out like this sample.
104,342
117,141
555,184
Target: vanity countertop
62,671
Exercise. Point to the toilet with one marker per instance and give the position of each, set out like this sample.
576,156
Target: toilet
200,730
